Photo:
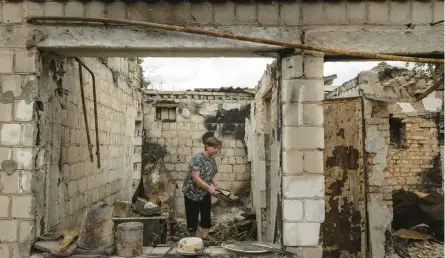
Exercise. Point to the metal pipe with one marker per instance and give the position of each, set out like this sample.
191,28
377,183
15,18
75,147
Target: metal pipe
95,110
90,146
239,37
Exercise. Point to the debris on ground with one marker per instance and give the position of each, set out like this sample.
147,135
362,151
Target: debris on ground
409,248
415,208
233,224
69,236
52,247
418,224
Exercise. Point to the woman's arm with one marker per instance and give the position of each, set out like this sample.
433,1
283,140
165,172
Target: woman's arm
202,183
215,181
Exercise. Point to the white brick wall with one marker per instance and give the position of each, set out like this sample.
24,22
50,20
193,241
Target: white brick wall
182,139
75,182
303,141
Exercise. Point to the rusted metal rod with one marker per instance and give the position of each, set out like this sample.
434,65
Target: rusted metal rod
239,37
95,110
85,117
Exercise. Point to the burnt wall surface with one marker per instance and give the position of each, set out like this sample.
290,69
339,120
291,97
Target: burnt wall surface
174,124
69,182
344,229
264,151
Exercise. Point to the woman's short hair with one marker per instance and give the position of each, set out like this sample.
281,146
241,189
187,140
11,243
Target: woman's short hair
213,142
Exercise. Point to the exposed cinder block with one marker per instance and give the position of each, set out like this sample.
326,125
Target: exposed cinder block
116,10
303,137
23,110
6,112
268,13
295,91
26,61
202,12
9,230
5,153
53,9
245,13
10,134
28,131
75,9
160,12
292,162
10,183
378,12
290,13
313,114
312,12
225,168
334,12
25,182
301,234
94,9
25,231
13,12
422,12
303,186
4,204
6,61
182,13
11,83
313,162
314,210
35,9
292,67
399,12
24,158
438,11
356,12
239,168
293,210
313,66
139,11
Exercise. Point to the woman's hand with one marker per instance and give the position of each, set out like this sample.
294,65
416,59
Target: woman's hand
213,192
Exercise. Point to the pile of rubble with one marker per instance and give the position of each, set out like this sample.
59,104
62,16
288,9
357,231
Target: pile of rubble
424,249
418,224
233,224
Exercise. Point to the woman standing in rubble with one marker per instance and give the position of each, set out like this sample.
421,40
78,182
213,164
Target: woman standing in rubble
197,189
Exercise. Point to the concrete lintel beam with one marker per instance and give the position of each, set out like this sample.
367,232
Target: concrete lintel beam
422,40
132,41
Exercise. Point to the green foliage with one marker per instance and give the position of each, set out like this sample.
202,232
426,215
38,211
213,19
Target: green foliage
138,60
433,70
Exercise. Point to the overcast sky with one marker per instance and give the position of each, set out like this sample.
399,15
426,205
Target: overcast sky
190,73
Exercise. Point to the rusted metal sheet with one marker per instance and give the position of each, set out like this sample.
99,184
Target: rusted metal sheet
344,229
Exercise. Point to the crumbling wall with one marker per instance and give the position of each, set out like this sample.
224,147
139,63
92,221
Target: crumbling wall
345,189
385,82
19,71
415,157
379,197
72,181
264,151
174,123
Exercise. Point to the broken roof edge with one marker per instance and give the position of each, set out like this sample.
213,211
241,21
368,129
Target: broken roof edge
216,92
